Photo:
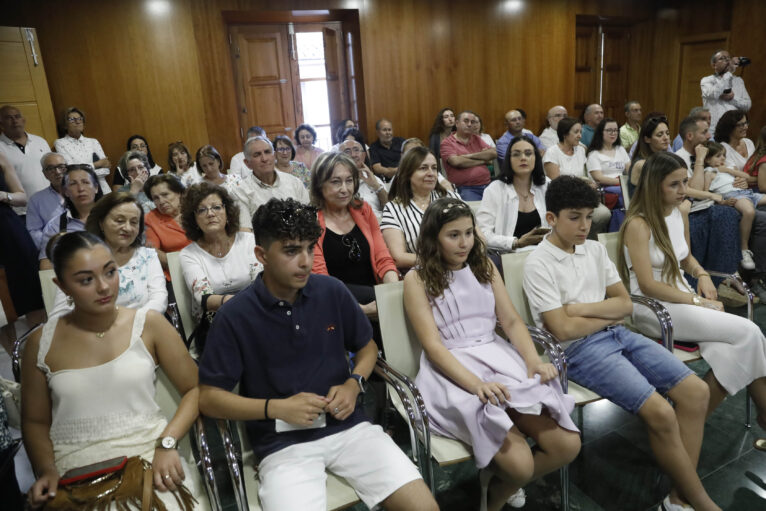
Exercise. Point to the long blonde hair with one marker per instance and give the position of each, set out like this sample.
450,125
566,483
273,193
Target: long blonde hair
647,204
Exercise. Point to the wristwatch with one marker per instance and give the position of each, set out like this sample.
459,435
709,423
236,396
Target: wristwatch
361,381
166,442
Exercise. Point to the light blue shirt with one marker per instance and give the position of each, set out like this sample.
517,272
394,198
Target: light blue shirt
53,226
41,207
504,141
587,135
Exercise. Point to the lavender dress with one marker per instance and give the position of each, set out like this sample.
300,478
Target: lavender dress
465,317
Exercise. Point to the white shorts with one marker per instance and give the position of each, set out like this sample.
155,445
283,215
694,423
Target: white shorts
365,456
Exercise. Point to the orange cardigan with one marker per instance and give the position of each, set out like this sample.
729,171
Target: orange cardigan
380,258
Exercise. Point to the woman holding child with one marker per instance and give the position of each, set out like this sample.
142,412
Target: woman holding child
479,388
655,237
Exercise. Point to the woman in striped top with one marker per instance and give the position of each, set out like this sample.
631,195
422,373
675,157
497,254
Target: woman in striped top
416,185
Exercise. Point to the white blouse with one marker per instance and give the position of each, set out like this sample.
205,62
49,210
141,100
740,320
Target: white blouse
499,211
736,161
81,150
573,165
206,274
611,166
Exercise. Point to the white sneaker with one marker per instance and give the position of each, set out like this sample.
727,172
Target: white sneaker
666,505
747,260
518,499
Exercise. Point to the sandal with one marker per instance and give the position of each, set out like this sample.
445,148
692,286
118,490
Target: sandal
760,444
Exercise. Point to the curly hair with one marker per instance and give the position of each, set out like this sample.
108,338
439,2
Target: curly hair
438,125
307,127
727,123
106,204
430,266
190,202
324,166
570,192
506,171
285,219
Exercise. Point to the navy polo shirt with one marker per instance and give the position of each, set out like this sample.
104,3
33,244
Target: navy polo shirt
388,157
275,349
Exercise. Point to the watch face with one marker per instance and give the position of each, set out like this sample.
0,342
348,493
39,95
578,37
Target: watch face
168,442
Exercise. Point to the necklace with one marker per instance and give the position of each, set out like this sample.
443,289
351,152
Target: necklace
423,203
101,335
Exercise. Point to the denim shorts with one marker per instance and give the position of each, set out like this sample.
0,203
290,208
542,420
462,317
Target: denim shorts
623,366
748,194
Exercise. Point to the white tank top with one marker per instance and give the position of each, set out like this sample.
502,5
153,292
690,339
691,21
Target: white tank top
106,410
675,224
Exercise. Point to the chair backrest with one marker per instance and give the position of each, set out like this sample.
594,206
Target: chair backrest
611,241
49,288
167,398
513,274
399,340
624,187
474,204
181,291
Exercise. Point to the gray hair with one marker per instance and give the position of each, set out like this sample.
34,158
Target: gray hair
698,110
46,156
254,139
712,57
629,104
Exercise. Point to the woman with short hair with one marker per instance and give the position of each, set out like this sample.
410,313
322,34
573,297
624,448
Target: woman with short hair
210,165
307,152
181,165
285,160
136,166
163,224
77,148
731,132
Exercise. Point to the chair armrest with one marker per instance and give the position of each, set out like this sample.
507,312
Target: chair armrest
233,463
16,353
740,286
663,317
206,464
417,415
555,354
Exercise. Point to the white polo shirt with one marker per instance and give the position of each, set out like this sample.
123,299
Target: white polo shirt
251,193
27,164
554,278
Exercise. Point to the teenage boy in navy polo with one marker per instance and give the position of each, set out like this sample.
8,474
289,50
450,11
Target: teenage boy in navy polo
284,340
575,292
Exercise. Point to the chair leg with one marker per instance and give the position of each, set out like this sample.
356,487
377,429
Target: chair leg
564,472
748,410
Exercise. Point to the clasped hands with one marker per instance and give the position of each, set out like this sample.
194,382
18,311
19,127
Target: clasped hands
303,408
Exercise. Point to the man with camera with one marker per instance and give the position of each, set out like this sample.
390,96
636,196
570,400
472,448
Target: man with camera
723,91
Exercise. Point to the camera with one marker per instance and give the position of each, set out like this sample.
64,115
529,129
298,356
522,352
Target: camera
743,61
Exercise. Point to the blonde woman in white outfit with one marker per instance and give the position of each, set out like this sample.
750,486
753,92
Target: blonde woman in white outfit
655,236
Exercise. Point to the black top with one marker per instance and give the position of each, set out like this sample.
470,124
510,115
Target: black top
388,157
347,257
526,222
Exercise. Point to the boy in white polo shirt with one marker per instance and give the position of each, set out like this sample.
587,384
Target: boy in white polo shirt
575,293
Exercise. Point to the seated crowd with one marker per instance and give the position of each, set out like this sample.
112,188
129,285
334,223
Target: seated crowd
281,252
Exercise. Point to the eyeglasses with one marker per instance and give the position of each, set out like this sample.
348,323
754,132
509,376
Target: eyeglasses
60,169
283,149
612,131
742,124
353,150
354,252
215,208
76,120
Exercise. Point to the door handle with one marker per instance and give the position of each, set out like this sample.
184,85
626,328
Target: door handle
283,80
288,129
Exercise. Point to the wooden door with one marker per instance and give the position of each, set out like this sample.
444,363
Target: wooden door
614,92
586,66
695,63
23,82
263,78
337,94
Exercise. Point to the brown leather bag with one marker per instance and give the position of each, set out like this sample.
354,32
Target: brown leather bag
132,487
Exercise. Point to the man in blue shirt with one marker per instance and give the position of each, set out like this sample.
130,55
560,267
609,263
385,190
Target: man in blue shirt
591,117
48,202
515,121
284,339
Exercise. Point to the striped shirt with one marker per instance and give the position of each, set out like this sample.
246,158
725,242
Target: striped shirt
407,219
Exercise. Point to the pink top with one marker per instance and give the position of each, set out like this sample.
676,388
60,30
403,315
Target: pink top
470,176
307,157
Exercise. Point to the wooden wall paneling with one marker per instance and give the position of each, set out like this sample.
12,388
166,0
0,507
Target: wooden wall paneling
747,40
587,64
616,64
641,60
24,84
695,52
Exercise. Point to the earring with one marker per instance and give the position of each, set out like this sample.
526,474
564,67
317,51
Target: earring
69,300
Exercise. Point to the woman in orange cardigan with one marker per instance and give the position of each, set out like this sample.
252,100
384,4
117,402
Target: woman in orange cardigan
351,247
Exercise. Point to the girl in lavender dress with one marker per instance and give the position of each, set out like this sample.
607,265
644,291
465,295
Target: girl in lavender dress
479,388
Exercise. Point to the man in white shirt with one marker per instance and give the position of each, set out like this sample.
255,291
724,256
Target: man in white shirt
263,182
722,91
694,132
549,137
237,165
24,151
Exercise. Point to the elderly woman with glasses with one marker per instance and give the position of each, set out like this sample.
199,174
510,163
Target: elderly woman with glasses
136,167
285,162
137,143
351,247
220,261
77,148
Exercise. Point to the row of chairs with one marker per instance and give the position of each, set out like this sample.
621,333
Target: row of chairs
398,370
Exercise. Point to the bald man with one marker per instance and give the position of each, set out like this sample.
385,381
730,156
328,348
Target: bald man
515,121
549,137
592,115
